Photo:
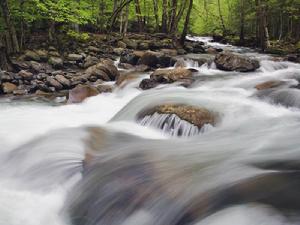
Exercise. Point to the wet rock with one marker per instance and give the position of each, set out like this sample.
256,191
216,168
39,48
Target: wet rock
169,52
126,77
129,58
56,62
43,54
144,46
54,54
211,50
54,83
102,88
130,43
5,77
8,88
94,49
80,93
90,61
36,67
74,57
118,51
142,68
126,66
197,116
269,84
31,56
20,65
121,44
104,70
25,75
233,62
148,84
64,81
171,75
149,58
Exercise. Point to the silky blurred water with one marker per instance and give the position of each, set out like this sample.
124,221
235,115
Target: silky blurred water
142,175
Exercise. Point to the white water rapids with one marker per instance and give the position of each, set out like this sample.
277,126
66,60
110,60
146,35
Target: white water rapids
144,176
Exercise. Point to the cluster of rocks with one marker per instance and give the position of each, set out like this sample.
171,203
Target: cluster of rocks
48,70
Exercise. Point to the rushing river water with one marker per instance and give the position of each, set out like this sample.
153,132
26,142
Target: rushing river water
245,170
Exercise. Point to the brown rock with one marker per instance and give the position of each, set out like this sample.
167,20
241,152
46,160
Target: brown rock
197,116
269,84
8,88
234,62
81,92
171,75
64,81
25,75
54,83
126,77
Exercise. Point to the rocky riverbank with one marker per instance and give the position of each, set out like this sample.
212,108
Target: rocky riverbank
46,70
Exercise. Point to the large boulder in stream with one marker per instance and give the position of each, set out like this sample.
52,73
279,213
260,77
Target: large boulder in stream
178,119
80,93
235,62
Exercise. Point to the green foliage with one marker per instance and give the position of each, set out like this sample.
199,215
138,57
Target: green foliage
82,37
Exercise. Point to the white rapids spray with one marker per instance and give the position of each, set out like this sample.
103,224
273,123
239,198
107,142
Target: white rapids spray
38,178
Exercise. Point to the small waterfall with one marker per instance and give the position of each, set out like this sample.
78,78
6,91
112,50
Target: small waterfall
172,125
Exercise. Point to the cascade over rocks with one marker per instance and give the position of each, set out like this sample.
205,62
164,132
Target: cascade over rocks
234,62
162,117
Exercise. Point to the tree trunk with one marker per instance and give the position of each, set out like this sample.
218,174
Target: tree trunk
155,7
221,18
139,15
114,16
4,61
186,23
126,20
242,22
172,21
51,31
10,25
164,16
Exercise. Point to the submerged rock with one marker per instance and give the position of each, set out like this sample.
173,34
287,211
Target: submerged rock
234,62
269,84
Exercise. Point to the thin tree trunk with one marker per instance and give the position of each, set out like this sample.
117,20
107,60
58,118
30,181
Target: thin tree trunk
221,18
126,20
51,31
173,16
186,23
4,61
155,7
164,16
22,27
10,25
139,15
113,17
242,23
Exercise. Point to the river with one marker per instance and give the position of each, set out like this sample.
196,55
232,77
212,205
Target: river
242,171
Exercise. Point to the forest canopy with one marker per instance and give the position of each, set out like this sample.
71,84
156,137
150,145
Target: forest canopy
262,20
